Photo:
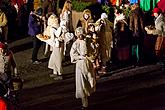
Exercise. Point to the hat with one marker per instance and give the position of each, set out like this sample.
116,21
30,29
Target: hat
3,46
156,10
79,31
53,21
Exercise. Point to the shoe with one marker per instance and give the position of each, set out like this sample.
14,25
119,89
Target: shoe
84,108
36,62
53,75
102,71
58,77
97,77
160,63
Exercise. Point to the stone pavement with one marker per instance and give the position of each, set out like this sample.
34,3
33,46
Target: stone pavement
130,88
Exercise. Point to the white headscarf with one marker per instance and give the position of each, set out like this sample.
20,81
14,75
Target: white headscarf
53,21
79,31
118,18
104,15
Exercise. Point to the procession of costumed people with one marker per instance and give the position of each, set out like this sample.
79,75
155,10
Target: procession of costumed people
94,46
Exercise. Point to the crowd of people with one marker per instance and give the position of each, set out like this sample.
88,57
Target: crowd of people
94,45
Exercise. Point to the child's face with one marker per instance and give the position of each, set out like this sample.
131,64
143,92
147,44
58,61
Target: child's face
81,37
116,13
86,16
25,1
94,38
1,51
156,15
55,23
92,29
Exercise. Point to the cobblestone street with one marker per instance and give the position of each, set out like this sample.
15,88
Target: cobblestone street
141,88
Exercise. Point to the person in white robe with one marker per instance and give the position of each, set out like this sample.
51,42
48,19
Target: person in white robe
57,44
66,15
85,78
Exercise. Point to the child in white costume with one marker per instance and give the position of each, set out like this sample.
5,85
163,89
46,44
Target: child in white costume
85,78
51,22
56,42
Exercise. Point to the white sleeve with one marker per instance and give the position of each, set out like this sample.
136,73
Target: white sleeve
52,36
58,32
74,54
50,42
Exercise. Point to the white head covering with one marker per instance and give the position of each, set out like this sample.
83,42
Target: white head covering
63,25
104,15
53,21
79,31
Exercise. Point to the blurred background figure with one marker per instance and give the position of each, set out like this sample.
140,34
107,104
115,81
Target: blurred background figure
3,102
7,63
136,25
66,15
3,26
49,8
122,37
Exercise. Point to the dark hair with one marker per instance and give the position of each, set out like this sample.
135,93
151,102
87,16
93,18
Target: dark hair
68,1
1,37
39,11
90,25
118,10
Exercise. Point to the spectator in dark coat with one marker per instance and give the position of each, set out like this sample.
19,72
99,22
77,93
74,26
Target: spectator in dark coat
23,14
11,14
34,25
48,7
17,4
3,26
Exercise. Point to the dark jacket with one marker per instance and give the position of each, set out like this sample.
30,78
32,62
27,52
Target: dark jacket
136,24
48,7
122,34
33,25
